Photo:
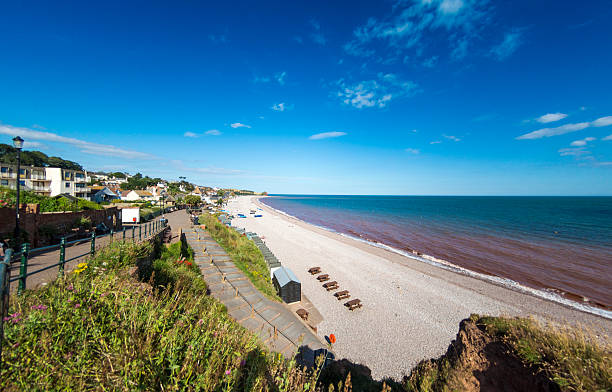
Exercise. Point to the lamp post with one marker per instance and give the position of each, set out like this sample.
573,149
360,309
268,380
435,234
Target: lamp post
18,144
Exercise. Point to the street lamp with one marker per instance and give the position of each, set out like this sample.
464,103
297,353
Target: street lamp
18,144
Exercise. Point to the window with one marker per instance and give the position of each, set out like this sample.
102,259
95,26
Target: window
4,182
4,170
81,185
67,185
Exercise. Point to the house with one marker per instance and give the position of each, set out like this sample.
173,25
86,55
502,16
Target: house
137,194
102,193
72,182
157,192
31,178
287,285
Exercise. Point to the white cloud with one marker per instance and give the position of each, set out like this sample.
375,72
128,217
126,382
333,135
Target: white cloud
582,142
430,62
326,135
567,128
412,150
551,117
280,77
411,23
27,144
435,142
451,137
83,146
609,137
575,152
213,132
281,107
602,122
190,134
511,42
218,39
548,132
375,93
239,125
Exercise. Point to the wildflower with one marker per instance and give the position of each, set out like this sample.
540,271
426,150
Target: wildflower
242,362
77,305
228,372
70,287
200,322
16,345
39,307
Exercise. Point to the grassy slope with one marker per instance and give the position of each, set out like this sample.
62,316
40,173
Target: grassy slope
244,254
103,329
567,356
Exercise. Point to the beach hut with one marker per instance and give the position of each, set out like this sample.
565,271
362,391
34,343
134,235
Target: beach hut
287,285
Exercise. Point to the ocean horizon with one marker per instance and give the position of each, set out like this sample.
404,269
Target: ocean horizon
558,244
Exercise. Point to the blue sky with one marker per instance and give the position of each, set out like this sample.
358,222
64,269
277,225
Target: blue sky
344,97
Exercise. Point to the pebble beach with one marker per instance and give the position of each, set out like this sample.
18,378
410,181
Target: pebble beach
411,310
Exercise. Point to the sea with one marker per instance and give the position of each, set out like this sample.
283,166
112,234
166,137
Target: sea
556,247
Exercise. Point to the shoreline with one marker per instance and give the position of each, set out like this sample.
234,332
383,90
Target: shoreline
506,283
411,309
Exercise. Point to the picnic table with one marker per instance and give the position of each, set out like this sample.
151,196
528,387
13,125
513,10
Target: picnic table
342,295
303,313
353,304
314,270
331,285
323,278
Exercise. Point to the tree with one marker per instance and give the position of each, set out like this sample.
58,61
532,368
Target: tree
192,200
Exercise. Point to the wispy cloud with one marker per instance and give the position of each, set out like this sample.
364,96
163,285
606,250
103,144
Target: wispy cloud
190,134
280,77
582,142
213,132
27,144
239,125
281,107
602,122
511,42
412,150
84,146
567,128
551,117
436,142
375,93
574,152
261,79
317,35
609,137
453,138
326,135
412,22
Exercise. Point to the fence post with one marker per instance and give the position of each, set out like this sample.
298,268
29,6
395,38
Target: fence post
23,269
111,235
124,233
133,233
139,232
93,243
62,255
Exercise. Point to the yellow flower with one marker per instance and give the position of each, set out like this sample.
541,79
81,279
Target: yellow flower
80,268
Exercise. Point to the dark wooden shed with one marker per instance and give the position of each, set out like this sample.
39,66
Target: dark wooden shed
287,285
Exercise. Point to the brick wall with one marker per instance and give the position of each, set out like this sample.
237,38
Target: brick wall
31,221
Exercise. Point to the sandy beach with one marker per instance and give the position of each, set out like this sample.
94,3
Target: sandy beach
411,309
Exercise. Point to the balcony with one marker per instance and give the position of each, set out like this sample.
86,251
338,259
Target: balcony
8,175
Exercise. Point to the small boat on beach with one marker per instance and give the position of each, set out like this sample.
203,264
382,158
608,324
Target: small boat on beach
257,215
241,216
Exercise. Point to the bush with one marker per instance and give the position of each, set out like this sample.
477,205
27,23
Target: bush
98,328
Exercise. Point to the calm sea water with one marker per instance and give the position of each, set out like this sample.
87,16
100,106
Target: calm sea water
560,244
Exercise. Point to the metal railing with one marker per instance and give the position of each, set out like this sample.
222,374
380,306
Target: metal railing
135,233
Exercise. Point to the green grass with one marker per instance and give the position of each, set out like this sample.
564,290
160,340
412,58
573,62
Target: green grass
103,329
574,359
571,357
244,253
46,203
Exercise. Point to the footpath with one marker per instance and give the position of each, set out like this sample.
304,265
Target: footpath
276,325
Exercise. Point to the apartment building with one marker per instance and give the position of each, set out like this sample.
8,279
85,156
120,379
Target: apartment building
33,179
72,182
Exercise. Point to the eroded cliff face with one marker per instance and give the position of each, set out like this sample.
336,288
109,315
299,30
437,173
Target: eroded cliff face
476,361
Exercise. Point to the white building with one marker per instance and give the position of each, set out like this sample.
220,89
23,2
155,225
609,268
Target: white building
31,178
72,182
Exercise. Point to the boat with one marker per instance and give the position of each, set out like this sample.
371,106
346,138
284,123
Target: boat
241,216
258,215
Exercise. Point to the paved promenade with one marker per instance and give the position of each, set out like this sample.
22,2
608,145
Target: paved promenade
277,326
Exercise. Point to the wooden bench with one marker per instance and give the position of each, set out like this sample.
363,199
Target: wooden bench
323,278
303,314
314,270
331,285
353,304
342,295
